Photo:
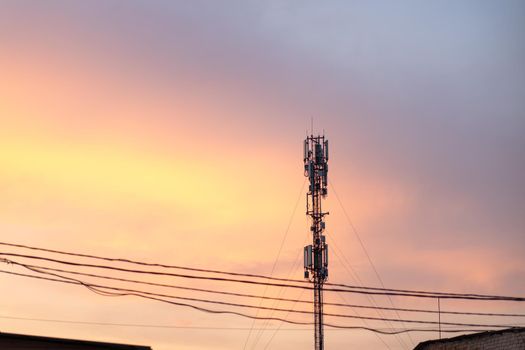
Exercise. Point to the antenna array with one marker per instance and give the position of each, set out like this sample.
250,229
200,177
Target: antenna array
316,254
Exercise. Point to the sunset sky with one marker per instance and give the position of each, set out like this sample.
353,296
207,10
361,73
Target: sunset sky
171,131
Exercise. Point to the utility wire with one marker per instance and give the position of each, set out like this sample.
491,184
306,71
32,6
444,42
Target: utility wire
407,291
280,324
138,325
165,301
223,279
148,295
354,230
365,322
277,258
259,296
357,280
142,325
283,290
351,272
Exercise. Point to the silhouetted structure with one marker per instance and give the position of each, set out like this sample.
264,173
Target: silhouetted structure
10,341
506,339
316,254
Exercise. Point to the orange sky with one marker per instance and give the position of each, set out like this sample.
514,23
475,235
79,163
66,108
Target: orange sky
172,133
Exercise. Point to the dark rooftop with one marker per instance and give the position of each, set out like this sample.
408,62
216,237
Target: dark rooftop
77,344
469,337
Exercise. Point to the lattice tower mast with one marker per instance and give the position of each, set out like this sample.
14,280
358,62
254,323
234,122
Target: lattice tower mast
316,254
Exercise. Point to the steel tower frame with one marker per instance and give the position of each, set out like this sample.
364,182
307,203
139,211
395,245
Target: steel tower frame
316,254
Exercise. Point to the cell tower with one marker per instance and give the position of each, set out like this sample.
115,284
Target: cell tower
316,254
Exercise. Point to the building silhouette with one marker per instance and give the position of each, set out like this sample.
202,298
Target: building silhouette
11,341
506,339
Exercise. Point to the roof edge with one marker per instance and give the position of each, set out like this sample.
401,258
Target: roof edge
29,337
421,345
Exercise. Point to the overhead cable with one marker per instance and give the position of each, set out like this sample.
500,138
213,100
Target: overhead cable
408,292
348,289
148,295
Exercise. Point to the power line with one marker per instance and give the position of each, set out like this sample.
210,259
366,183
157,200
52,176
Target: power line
264,297
155,296
142,325
357,280
408,292
277,258
358,290
138,325
136,262
366,251
370,298
280,324
365,322
280,295
164,300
